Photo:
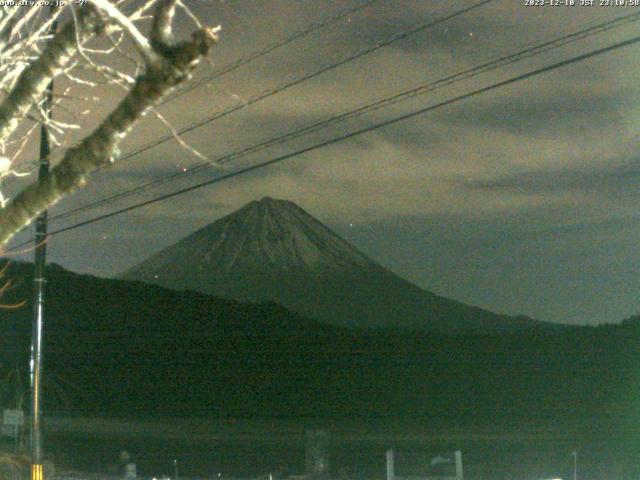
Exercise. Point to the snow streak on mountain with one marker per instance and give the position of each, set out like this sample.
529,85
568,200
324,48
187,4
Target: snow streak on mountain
272,250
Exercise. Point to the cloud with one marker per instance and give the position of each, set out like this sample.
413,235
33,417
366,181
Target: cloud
614,177
484,200
562,111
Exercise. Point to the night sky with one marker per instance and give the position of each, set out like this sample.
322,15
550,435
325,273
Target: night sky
522,200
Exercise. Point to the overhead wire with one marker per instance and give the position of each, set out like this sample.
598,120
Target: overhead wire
355,133
260,53
384,102
268,49
298,80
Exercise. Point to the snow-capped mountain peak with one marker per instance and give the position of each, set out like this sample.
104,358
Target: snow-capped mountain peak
272,250
264,235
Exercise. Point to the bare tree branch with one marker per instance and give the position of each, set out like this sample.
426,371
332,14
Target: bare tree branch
34,79
139,40
171,64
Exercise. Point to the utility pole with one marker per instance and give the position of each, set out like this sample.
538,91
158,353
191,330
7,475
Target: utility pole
39,280
390,465
575,464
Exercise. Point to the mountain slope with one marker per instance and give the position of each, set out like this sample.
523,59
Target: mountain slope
273,250
127,349
113,347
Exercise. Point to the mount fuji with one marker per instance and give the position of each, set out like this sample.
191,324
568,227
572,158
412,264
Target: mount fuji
272,250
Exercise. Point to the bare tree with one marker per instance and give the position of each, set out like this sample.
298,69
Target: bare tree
31,57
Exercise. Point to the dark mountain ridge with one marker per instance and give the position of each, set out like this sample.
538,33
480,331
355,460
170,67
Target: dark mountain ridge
138,350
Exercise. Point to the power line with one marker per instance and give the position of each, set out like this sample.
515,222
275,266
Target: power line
296,81
355,133
383,43
270,48
249,58
420,90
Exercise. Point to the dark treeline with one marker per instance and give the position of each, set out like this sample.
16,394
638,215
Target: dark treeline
116,348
